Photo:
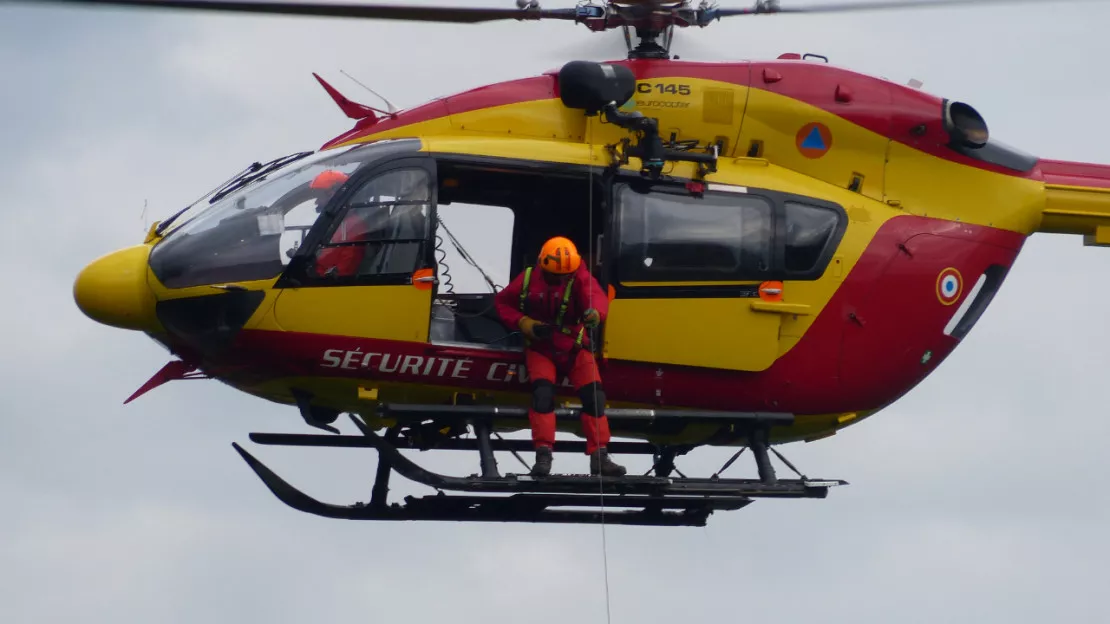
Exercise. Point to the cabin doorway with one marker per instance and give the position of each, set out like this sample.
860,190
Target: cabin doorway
492,219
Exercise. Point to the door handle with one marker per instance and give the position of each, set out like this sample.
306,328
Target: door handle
424,279
777,307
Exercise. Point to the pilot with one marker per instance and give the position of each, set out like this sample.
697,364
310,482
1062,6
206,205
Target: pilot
339,261
553,310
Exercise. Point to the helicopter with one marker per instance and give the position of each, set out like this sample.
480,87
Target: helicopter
843,234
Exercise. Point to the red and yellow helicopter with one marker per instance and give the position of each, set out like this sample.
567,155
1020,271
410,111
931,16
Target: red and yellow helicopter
788,247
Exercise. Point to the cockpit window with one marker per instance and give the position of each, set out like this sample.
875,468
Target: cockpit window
252,232
383,230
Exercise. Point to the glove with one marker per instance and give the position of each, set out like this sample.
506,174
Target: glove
534,329
591,318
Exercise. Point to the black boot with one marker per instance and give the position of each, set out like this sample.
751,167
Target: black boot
542,468
600,463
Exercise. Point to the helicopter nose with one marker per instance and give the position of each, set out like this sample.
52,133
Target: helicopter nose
113,290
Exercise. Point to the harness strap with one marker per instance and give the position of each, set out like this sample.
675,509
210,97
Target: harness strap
562,307
524,289
566,301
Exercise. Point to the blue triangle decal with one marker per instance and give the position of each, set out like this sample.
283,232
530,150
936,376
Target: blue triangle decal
814,140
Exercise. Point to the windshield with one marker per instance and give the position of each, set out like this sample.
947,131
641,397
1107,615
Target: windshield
252,232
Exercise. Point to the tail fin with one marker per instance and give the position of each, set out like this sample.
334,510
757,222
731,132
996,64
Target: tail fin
1077,200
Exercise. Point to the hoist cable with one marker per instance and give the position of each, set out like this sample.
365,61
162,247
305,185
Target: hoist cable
597,428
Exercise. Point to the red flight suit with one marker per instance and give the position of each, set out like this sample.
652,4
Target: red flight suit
549,360
345,259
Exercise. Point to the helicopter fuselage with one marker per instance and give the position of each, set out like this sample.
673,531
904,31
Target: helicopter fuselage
926,215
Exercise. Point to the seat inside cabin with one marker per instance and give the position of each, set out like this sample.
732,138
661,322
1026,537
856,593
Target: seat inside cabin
492,222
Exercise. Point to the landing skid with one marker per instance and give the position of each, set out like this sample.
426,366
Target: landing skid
659,500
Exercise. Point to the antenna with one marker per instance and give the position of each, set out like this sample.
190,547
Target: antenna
389,105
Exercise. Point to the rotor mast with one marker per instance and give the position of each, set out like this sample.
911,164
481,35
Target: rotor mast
649,46
652,21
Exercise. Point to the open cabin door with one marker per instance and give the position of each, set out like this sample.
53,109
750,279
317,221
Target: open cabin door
494,215
367,268
697,279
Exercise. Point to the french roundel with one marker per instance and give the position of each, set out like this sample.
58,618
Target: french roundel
949,286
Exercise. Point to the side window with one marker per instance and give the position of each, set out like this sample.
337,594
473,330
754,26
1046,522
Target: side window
808,232
675,237
382,229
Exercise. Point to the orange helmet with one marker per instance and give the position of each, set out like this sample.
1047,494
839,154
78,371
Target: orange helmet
328,179
559,256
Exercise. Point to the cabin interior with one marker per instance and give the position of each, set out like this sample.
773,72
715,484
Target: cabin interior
519,208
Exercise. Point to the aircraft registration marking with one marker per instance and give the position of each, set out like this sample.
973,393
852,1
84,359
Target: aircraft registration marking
381,363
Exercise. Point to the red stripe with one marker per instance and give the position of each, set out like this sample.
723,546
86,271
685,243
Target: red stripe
881,106
503,94
879,336
1075,173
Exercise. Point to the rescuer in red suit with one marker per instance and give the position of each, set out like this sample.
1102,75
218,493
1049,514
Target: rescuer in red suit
553,304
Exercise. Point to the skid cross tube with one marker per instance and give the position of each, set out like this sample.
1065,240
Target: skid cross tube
750,420
690,511
490,497
450,444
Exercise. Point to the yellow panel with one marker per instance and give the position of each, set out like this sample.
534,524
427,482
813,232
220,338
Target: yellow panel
717,333
776,120
262,318
695,109
526,149
437,126
718,106
386,312
1077,210
544,119
780,307
744,333
690,108
925,185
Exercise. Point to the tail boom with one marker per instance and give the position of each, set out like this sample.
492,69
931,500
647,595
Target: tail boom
1077,200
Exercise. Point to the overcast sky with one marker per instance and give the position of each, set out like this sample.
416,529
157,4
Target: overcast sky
979,497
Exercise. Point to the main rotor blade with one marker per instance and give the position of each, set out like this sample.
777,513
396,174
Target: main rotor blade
464,15
770,8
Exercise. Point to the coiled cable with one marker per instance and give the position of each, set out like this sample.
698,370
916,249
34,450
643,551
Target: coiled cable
445,270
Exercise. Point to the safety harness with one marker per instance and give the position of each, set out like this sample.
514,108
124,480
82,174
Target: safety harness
562,306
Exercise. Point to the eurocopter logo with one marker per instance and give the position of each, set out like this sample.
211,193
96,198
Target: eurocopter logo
660,89
433,367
